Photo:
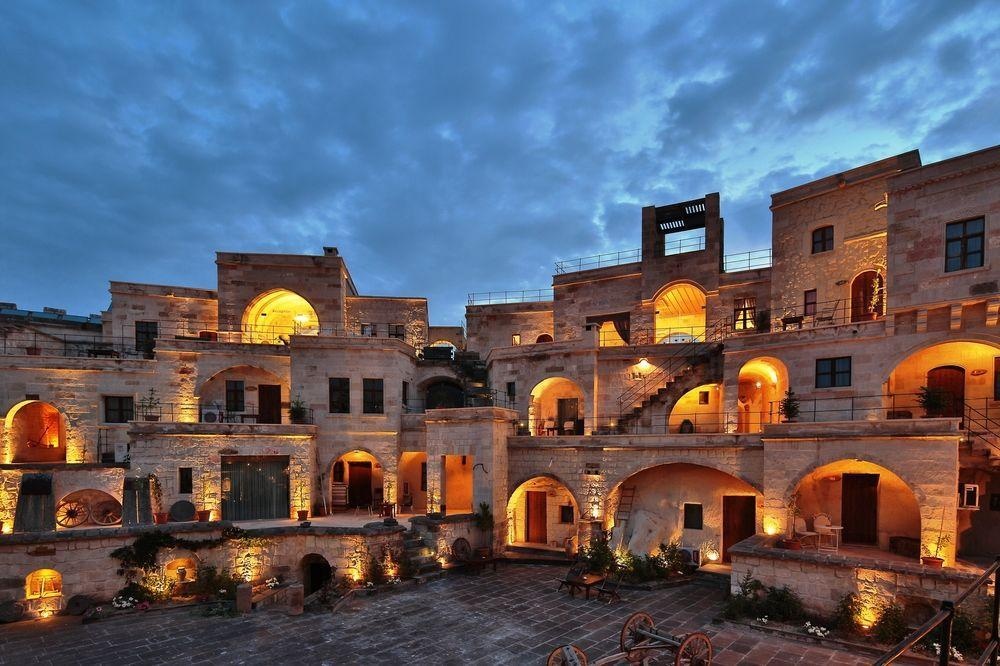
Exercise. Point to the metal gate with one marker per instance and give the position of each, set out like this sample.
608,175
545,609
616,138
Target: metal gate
254,487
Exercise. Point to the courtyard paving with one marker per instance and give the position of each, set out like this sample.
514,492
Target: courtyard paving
513,616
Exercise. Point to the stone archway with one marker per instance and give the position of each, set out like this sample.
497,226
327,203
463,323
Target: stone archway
679,312
557,407
762,383
275,315
543,512
316,572
35,432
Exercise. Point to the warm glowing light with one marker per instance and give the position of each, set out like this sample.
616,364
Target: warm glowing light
45,613
712,555
771,526
643,365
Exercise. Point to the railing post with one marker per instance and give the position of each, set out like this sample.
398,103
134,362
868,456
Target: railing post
945,640
995,626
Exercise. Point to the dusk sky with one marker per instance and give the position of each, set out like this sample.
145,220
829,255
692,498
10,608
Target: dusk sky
445,147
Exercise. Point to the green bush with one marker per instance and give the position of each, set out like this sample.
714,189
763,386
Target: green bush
137,592
890,627
845,618
598,555
211,583
782,604
744,603
671,556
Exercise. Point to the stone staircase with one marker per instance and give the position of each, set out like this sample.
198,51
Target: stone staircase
420,556
982,434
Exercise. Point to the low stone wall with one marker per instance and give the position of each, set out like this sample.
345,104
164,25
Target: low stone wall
83,557
445,531
822,579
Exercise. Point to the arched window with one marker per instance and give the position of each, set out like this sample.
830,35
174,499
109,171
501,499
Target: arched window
822,239
544,337
43,583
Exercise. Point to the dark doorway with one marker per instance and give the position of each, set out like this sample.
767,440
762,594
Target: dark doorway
567,412
949,381
537,513
859,508
316,572
866,296
739,520
269,407
359,483
444,395
254,487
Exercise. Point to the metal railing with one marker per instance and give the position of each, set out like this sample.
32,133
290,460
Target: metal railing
943,620
26,342
473,398
501,297
598,261
684,423
683,246
823,313
745,261
731,263
214,413
648,336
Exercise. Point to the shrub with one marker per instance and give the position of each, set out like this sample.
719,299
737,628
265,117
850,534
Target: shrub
671,556
211,583
744,603
598,555
137,592
376,572
845,618
782,604
890,627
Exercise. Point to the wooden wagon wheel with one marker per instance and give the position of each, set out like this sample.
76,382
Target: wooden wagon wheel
108,512
694,650
72,513
561,656
630,640
461,549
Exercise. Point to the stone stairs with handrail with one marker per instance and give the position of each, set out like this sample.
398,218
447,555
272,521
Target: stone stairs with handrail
982,433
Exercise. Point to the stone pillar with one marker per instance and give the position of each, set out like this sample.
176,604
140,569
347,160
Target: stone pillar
244,598
296,596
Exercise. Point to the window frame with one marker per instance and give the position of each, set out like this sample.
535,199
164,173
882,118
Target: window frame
146,333
373,395
183,482
369,330
236,394
515,339
343,392
745,313
824,237
963,244
810,303
696,519
832,368
563,512
130,410
397,331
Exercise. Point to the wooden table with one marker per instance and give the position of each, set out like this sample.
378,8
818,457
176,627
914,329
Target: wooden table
585,583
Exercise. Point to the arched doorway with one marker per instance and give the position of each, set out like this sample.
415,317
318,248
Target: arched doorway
275,315
316,572
443,394
242,394
963,373
544,337
872,503
356,481
556,407
679,313
698,410
762,383
412,474
948,382
542,512
36,432
867,296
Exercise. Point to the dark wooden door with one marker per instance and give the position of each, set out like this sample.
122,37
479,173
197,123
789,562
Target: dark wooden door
269,407
537,513
359,483
949,380
739,520
254,487
567,409
859,508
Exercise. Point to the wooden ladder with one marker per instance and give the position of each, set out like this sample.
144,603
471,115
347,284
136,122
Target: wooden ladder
624,511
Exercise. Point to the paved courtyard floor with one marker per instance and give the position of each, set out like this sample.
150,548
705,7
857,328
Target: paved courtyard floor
513,616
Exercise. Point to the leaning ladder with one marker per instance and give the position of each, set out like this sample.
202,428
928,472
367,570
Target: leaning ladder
624,511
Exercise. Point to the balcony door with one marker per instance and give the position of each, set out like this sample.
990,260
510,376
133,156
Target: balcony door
949,380
859,508
269,396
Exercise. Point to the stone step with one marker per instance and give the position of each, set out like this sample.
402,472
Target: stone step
422,578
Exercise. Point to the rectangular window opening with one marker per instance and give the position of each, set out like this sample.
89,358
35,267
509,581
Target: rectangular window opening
340,395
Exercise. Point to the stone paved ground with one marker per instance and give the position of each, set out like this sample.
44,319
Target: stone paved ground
514,616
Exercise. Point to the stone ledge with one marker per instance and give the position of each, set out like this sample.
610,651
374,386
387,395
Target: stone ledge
676,441
62,467
181,428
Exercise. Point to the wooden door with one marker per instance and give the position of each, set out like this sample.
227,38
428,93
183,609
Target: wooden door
359,483
536,517
739,520
254,487
567,409
269,403
859,508
950,381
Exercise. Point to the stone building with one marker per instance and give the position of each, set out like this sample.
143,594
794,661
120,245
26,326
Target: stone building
640,394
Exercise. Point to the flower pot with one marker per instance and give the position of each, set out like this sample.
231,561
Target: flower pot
302,514
161,517
152,417
204,515
33,351
790,544
932,562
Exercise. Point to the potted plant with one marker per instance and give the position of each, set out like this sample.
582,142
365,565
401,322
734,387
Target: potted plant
791,541
301,514
204,515
932,401
932,557
149,406
789,406
483,519
160,517
298,411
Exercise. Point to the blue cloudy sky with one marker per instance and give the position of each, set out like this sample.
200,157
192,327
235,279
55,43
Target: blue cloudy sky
445,147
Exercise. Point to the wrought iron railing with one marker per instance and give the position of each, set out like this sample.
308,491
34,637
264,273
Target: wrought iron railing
215,413
598,261
683,423
513,296
731,263
745,261
943,620
472,398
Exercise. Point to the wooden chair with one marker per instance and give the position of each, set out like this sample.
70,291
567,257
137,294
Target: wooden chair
609,588
803,533
573,576
828,315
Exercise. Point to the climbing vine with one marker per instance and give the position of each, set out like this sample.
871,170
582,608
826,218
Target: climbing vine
141,554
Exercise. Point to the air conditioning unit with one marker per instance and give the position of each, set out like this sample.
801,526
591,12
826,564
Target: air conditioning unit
968,496
691,556
121,452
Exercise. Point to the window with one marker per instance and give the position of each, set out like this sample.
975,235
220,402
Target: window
338,471
693,516
702,397
964,245
511,393
145,337
822,240
118,408
744,314
809,307
372,396
832,372
368,330
566,514
397,331
406,394
235,393
423,476
340,395
43,583
185,480
515,340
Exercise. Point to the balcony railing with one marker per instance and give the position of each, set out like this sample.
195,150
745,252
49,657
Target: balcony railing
823,313
474,398
216,413
598,261
731,263
517,296
745,261
704,422
649,336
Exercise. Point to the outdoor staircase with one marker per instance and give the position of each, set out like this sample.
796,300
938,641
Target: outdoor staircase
982,433
693,364
420,556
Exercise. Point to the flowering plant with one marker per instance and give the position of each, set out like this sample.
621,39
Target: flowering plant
762,619
272,583
816,630
953,653
124,602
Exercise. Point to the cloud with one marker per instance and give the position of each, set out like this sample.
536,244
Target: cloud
444,149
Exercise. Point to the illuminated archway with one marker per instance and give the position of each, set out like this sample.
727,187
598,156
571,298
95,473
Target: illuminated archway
698,410
356,481
88,507
275,315
412,475
867,296
970,379
679,313
557,406
43,583
762,383
36,432
542,511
